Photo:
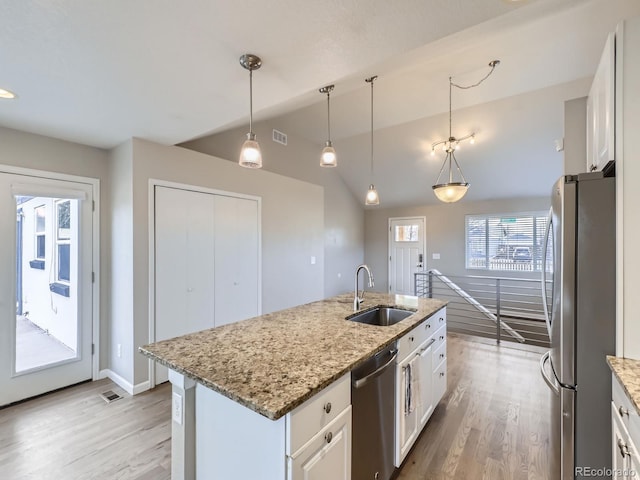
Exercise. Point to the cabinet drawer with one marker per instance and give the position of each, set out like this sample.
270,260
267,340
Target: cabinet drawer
439,382
440,318
325,455
422,332
410,342
317,412
440,337
626,411
439,355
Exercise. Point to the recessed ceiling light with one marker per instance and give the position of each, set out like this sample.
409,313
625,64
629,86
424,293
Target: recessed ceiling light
7,94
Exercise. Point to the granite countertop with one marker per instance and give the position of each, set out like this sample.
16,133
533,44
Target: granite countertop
627,372
274,362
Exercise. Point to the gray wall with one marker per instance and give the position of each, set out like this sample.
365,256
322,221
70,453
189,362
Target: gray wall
445,234
292,232
575,136
343,214
37,152
121,266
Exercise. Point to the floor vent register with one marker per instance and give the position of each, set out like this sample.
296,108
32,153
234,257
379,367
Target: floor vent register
110,396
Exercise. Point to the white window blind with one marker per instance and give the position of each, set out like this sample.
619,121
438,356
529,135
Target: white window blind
505,242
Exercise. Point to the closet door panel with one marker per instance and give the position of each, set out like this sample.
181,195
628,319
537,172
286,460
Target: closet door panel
237,257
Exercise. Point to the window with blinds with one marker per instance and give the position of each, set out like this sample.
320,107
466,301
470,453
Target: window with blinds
505,242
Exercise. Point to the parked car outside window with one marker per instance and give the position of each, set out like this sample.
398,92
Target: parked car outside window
522,254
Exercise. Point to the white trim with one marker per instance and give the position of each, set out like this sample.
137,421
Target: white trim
619,157
124,384
95,185
153,182
390,241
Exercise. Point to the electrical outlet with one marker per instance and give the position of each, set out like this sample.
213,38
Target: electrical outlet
119,350
176,408
313,260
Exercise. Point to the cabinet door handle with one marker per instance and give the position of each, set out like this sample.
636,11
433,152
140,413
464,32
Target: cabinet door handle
441,319
428,325
327,407
624,449
328,437
442,355
411,339
441,337
442,374
623,411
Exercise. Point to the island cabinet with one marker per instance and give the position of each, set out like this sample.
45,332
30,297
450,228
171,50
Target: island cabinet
625,435
420,380
313,441
269,398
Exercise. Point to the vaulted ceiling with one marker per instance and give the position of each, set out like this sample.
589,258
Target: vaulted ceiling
99,73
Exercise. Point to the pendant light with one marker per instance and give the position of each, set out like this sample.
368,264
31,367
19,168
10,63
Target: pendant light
328,157
452,191
372,197
250,154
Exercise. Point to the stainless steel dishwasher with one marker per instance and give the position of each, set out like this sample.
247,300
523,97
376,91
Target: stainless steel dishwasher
373,399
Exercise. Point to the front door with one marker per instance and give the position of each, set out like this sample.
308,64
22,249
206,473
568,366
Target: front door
46,299
407,246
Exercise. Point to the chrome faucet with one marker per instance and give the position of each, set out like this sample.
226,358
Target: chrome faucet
358,299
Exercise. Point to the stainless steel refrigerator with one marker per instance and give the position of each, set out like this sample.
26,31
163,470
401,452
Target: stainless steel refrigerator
579,301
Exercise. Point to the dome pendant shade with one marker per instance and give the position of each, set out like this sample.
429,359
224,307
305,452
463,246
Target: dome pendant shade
250,154
328,157
450,192
372,196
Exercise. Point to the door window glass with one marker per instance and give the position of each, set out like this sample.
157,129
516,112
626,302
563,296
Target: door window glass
407,233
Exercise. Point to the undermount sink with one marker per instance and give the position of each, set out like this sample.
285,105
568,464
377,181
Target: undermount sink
381,316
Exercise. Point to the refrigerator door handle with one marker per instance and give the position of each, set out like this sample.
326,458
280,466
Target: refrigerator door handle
543,283
543,372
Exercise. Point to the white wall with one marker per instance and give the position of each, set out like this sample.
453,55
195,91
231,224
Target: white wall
292,232
444,232
50,311
575,136
37,152
343,213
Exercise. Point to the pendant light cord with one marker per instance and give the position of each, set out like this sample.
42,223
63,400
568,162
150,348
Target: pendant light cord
450,85
250,101
328,118
371,81
493,64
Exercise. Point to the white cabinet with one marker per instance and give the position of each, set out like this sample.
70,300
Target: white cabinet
318,435
406,411
625,435
311,442
327,454
420,380
601,111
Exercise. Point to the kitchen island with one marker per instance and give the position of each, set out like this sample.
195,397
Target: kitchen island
237,388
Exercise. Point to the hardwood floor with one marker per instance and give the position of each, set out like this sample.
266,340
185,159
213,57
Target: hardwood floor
74,434
491,424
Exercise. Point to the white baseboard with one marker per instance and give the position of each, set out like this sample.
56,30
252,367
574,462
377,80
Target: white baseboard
123,383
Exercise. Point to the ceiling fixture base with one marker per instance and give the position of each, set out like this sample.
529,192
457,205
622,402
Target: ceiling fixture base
250,61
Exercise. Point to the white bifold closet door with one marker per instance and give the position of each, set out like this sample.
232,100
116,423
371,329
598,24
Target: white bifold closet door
206,262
